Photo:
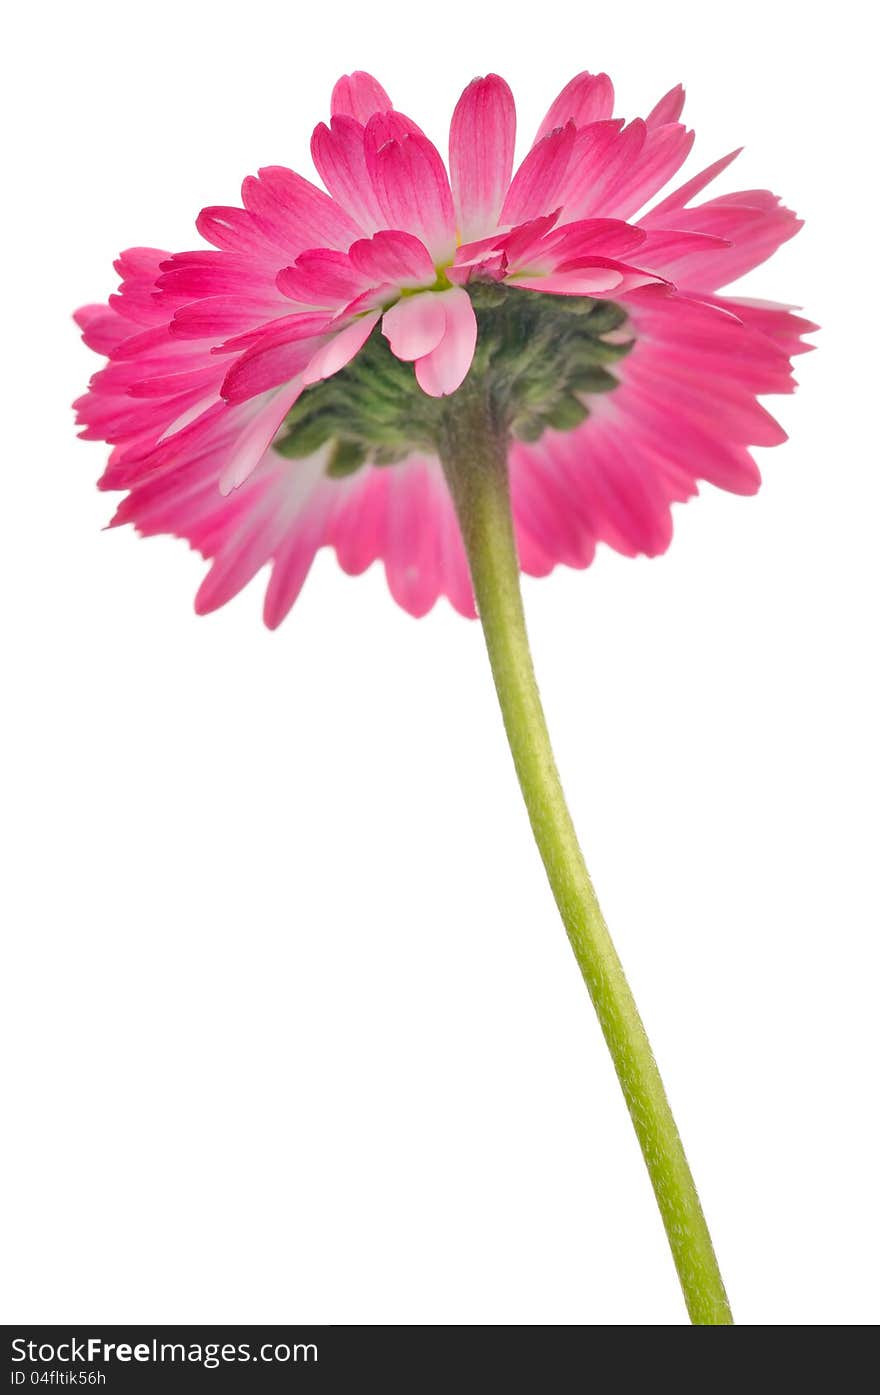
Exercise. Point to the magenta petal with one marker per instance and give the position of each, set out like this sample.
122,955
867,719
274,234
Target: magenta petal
274,356
589,281
586,98
321,277
685,192
415,326
669,108
295,212
481,141
359,95
445,368
338,153
205,356
410,183
538,183
664,151
340,350
397,258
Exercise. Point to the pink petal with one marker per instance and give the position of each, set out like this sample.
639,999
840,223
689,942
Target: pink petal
445,368
403,515
359,95
535,247
612,170
219,316
538,182
235,230
481,141
586,98
321,277
102,330
595,147
589,281
411,184
664,152
188,275
747,235
415,325
397,258
775,321
413,558
255,440
340,159
473,252
276,356
376,298
248,549
294,212
669,108
340,350
685,192
667,249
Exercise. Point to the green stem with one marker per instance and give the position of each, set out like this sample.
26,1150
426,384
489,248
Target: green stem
474,454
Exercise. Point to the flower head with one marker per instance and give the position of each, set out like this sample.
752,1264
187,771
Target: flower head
284,388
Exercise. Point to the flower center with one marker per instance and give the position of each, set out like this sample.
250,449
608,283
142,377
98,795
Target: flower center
540,357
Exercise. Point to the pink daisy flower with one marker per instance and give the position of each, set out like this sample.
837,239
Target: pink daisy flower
282,389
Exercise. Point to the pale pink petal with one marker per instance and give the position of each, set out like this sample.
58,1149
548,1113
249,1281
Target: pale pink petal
412,554
404,515
358,526
415,325
551,521
481,141
586,98
247,549
340,350
445,368
255,440
359,95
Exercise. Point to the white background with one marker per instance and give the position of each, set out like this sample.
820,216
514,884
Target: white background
292,1029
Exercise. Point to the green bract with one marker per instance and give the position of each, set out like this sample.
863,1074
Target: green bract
541,358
